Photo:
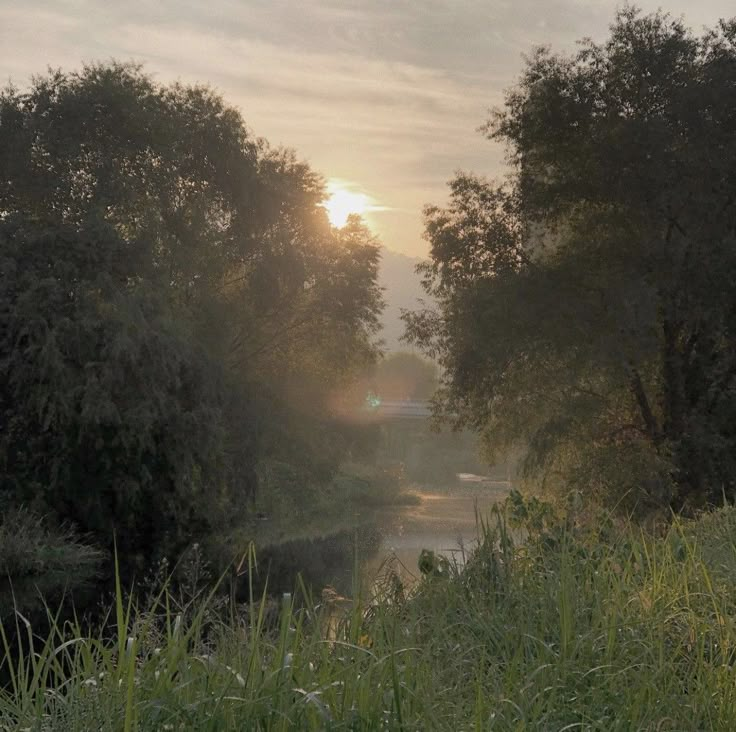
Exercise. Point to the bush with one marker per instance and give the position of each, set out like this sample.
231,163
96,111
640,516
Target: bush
28,548
372,486
38,564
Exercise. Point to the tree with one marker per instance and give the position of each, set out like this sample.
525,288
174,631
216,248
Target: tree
169,287
587,305
404,375
310,340
113,417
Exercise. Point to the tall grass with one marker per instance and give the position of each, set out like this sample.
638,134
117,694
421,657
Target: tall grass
599,627
29,548
38,561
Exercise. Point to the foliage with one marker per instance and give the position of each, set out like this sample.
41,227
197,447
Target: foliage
290,508
29,548
174,306
361,485
435,457
113,415
40,563
591,624
404,375
587,304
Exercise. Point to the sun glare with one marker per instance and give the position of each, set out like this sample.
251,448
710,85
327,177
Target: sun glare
342,203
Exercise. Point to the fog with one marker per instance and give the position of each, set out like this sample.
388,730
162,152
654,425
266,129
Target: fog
258,470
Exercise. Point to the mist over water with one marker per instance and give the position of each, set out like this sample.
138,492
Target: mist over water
388,539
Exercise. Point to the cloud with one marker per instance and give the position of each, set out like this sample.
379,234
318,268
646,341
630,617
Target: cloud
387,93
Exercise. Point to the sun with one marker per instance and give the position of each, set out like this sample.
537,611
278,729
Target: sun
342,203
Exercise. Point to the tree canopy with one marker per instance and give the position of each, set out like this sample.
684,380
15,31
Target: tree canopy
404,375
169,286
587,304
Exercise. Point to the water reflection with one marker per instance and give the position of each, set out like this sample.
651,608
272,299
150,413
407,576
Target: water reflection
444,522
327,561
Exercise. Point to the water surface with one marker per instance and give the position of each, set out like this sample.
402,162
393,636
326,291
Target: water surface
445,522
371,541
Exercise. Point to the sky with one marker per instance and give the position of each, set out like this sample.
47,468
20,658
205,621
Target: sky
383,97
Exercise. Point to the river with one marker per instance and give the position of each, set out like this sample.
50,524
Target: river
444,522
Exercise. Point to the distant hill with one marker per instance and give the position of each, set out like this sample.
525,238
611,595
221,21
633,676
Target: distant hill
402,290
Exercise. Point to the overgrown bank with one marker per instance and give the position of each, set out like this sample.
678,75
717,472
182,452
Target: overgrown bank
590,627
41,563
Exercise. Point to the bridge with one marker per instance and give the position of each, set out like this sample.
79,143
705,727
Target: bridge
380,410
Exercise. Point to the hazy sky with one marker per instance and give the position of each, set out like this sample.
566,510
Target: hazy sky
385,95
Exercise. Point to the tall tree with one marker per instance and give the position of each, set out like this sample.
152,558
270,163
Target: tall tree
587,306
165,280
112,415
404,375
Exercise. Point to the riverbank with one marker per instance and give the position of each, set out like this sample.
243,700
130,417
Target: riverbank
585,626
374,531
40,563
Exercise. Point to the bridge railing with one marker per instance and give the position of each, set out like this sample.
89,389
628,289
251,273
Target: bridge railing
397,409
